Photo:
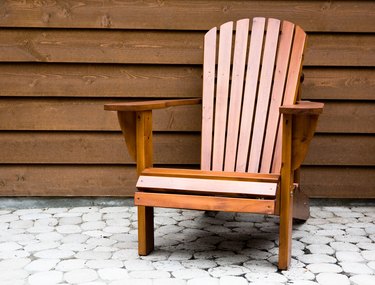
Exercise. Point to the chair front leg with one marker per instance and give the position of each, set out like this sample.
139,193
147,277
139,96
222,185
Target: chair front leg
286,196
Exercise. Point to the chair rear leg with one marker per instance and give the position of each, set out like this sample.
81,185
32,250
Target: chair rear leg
145,230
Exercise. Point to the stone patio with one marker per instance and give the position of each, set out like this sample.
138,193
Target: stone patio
98,245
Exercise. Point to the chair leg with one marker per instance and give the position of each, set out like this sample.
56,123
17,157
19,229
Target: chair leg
285,233
145,230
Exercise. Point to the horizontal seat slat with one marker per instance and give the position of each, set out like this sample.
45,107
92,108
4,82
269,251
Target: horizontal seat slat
209,203
207,185
218,175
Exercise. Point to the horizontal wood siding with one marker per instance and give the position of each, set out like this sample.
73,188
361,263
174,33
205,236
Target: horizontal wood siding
60,62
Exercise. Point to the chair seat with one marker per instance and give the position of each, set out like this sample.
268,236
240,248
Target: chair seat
187,181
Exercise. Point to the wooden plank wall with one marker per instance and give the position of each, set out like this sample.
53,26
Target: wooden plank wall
60,61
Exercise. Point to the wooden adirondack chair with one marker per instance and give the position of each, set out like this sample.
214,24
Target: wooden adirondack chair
250,153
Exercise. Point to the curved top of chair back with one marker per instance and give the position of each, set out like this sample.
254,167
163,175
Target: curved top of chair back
248,73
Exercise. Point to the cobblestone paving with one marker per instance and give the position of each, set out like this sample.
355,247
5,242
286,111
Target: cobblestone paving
98,245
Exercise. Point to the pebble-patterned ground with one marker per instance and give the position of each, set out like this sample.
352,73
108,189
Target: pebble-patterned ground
98,245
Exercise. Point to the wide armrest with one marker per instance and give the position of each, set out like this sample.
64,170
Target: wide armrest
149,105
303,108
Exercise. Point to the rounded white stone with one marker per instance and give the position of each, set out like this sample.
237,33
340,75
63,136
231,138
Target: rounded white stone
330,233
190,273
355,232
67,214
9,275
14,263
298,273
313,239
344,246
40,229
79,238
48,277
20,224
266,277
114,209
203,280
366,245
88,217
303,282
35,216
332,278
363,279
14,254
126,254
168,265
356,268
118,222
38,246
349,256
352,239
96,233
93,225
55,210
316,258
169,281
106,263
112,273
149,274
180,255
54,253
9,246
70,221
369,255
50,222
199,263
320,248
42,264
77,246
84,209
89,254
116,229
68,229
324,268
49,237
80,275
236,259
8,218
371,264
233,280
138,265
70,264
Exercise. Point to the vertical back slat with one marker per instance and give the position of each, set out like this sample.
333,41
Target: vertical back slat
251,83
224,62
208,97
266,76
291,88
238,73
282,60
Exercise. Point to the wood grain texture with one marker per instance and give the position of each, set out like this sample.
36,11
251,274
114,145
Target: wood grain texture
86,114
108,148
119,180
160,47
191,15
76,80
205,203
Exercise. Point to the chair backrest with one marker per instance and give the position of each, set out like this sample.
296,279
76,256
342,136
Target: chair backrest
244,82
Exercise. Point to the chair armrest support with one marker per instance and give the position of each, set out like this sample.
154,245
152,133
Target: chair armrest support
303,108
150,105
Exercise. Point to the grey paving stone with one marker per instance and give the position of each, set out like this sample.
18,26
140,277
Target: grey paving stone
80,276
332,278
47,277
363,279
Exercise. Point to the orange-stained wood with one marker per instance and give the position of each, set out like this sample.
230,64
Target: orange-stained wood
266,77
209,203
221,106
150,105
282,63
238,74
218,175
249,97
303,108
223,187
208,97
127,121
